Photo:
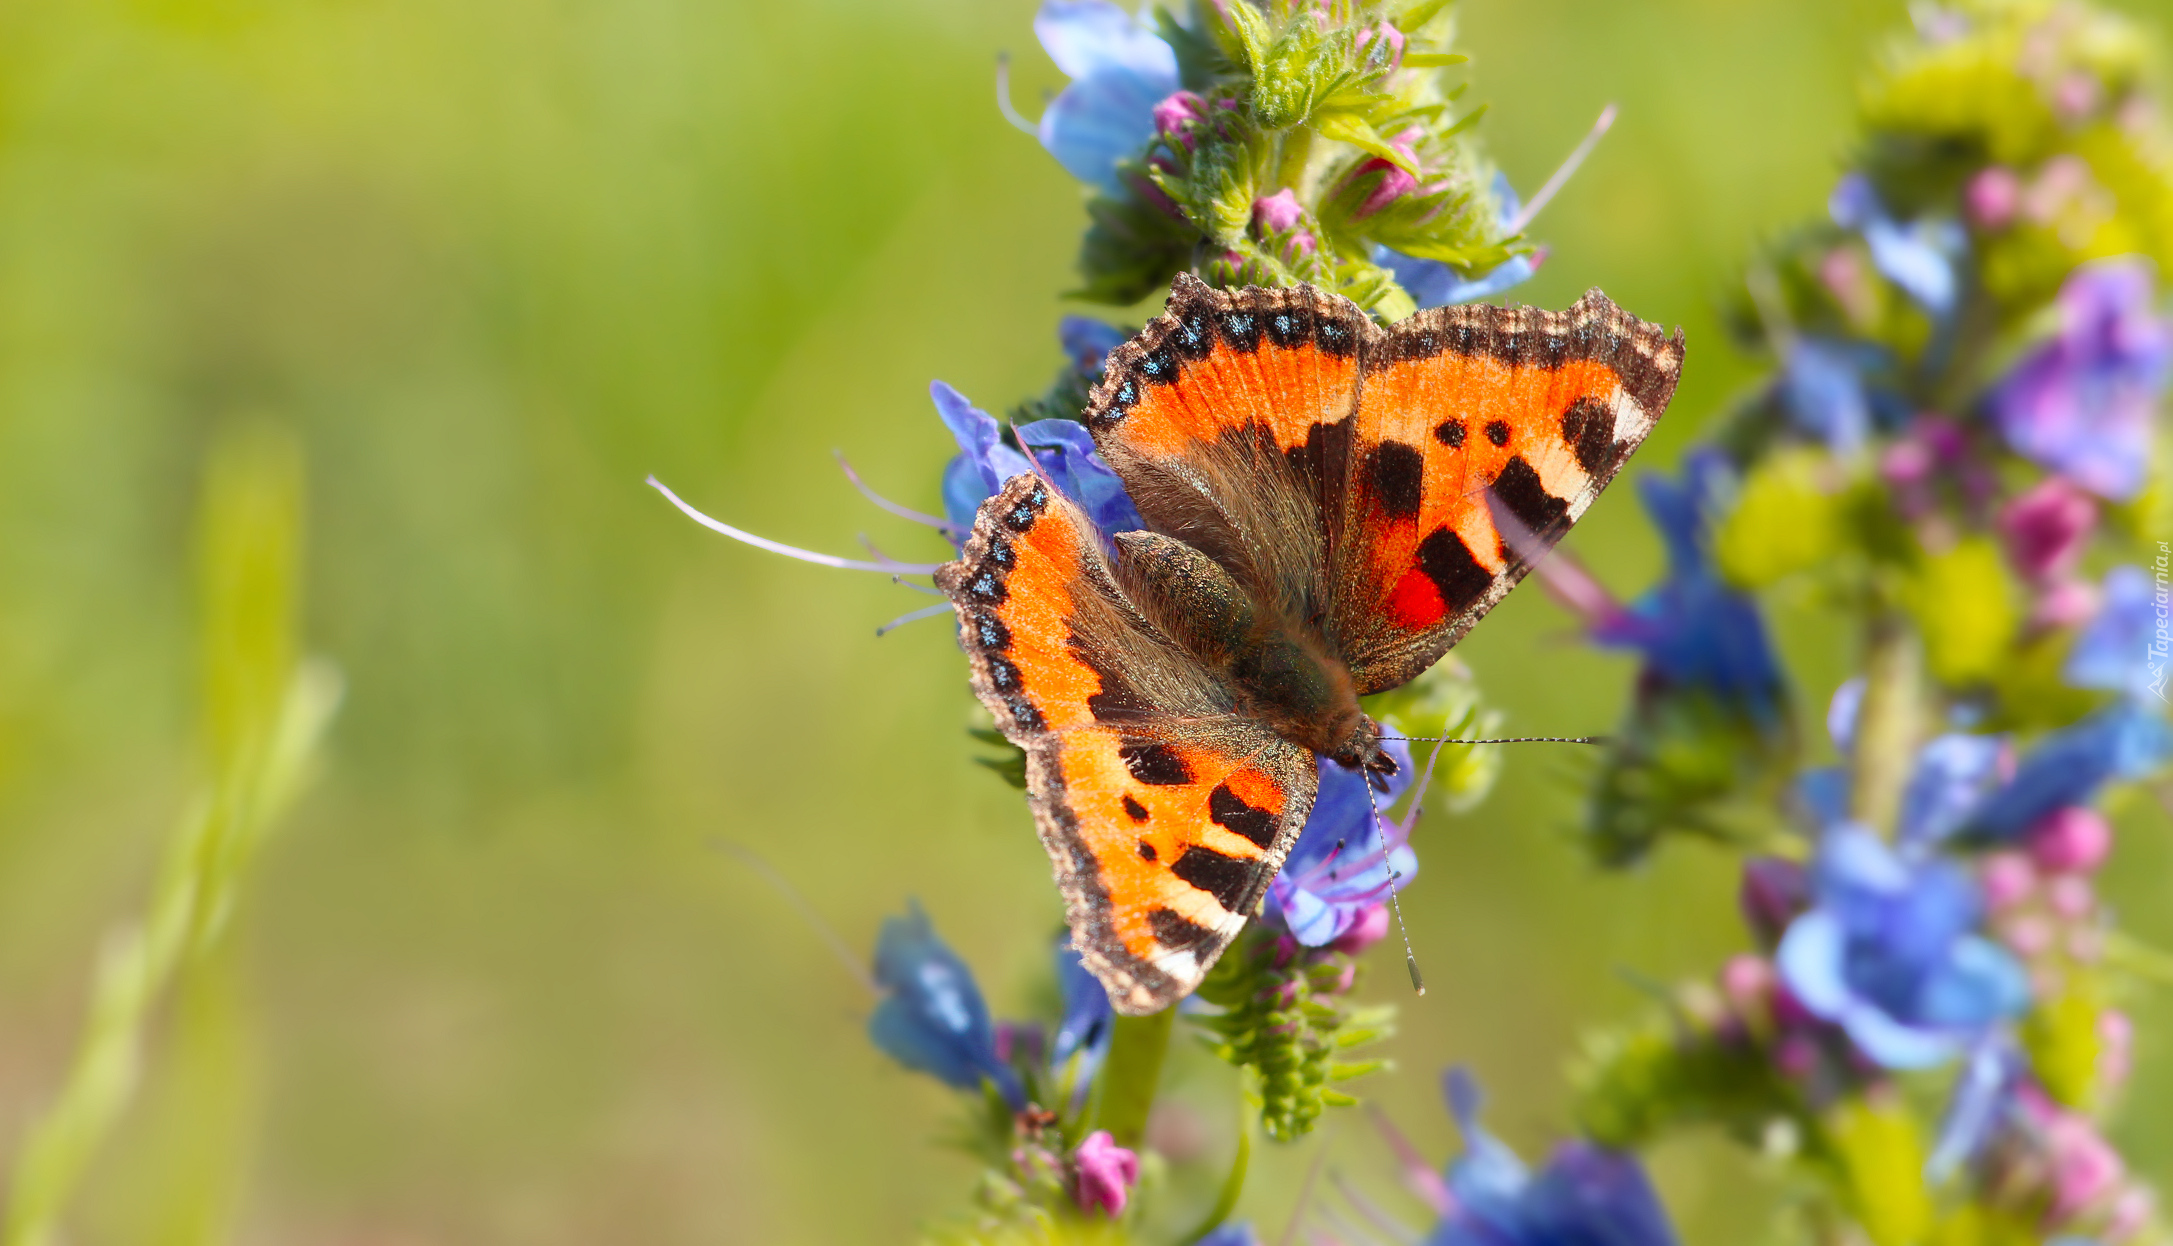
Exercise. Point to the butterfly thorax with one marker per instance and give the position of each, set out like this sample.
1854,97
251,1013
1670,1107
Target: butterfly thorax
1280,668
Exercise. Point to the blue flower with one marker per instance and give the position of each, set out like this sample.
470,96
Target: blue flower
1919,257
932,1017
1586,1195
1087,1022
1431,283
1693,629
1087,343
1119,70
2118,651
1889,952
1064,449
1231,1234
1822,385
2083,403
2122,741
1338,869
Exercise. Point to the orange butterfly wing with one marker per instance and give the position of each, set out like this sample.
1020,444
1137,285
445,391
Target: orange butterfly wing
1164,814
1355,473
1481,435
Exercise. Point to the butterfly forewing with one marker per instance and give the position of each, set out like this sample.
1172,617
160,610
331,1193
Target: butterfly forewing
1164,814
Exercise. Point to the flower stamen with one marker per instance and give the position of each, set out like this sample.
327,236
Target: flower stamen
890,565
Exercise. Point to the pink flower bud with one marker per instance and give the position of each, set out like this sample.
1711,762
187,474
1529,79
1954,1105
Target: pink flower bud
1796,1056
2008,877
2085,1167
1747,981
1993,197
2070,840
2047,527
1773,892
2029,936
1177,114
2069,603
1370,928
1278,212
2131,1211
1394,182
2116,1047
2071,896
1106,1173
1385,31
2077,95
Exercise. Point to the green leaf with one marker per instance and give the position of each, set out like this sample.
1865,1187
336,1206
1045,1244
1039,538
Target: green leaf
1347,127
1963,601
1881,1155
1789,517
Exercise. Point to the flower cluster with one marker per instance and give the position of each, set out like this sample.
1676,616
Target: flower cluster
1969,358
1267,142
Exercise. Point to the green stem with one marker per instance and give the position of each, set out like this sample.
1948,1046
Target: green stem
1233,1185
1888,725
1131,1076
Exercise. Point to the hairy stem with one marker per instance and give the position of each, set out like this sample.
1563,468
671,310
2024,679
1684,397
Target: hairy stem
1131,1076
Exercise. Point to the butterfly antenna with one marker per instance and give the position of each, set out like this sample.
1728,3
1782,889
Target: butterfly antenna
769,874
1410,958
902,582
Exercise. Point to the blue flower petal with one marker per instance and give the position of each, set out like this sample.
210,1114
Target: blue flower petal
1087,342
1591,1196
1894,1045
1953,774
1823,386
2122,741
1067,455
933,1018
1810,958
1919,257
1980,983
982,453
1119,72
1431,283
1089,37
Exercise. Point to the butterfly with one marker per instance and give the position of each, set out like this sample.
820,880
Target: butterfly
1330,506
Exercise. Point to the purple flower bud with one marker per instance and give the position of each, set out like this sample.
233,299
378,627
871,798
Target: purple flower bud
1773,892
1106,1173
1177,114
2084,1166
1394,182
2073,839
1993,197
1278,212
2047,528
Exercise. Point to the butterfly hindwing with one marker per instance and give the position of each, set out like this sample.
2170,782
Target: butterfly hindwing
1165,814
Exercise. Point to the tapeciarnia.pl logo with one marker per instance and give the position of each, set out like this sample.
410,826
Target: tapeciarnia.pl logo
2161,637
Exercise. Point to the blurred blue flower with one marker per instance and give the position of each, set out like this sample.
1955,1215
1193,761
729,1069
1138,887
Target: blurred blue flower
1087,1022
1585,1196
1338,870
2122,741
1693,629
1230,1234
1822,385
1431,283
1119,70
932,1017
1889,952
2117,650
1954,773
2082,404
1087,343
1064,449
1920,257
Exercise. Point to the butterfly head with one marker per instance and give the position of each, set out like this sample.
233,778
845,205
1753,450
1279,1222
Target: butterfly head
1362,750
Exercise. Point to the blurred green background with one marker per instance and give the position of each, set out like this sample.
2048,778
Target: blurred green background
496,261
